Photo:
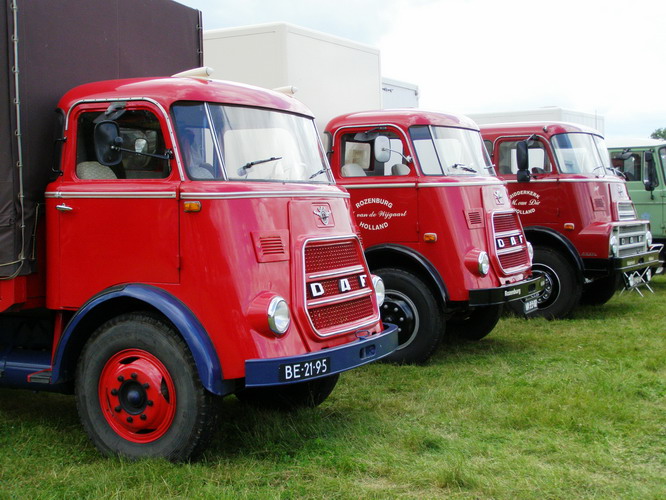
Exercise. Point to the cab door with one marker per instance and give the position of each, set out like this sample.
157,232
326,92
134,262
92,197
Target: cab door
649,204
117,224
383,194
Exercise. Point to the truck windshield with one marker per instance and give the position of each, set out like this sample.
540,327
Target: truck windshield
450,151
579,153
219,142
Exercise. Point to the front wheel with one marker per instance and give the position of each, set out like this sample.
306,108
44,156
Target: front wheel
306,394
563,289
411,306
138,392
475,323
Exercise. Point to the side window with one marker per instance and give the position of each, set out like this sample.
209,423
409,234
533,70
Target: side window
141,134
489,147
538,158
359,160
632,166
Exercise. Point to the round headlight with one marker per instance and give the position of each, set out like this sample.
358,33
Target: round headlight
484,263
278,315
530,251
613,245
380,289
648,239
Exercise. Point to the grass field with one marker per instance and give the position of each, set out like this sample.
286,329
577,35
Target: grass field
566,409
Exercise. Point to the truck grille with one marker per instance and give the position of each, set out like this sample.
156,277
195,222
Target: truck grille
510,243
631,239
625,210
338,287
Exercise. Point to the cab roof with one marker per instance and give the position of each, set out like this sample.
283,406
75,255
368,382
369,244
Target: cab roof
167,90
548,128
404,118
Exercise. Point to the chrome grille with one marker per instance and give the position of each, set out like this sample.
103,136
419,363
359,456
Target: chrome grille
510,242
625,210
338,287
631,239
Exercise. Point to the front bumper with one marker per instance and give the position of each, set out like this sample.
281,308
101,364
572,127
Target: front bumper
266,372
500,295
636,262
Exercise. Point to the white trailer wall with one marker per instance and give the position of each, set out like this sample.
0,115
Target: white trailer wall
397,94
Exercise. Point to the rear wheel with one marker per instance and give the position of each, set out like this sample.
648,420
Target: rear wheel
138,391
307,394
562,292
475,323
600,291
411,306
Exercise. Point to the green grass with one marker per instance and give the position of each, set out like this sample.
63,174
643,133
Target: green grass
565,409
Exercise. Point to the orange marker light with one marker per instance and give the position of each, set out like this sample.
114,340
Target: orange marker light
569,226
430,237
192,206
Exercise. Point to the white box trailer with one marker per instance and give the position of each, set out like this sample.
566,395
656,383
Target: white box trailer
397,94
332,75
549,114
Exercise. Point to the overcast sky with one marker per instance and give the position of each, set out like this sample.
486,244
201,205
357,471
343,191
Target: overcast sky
474,56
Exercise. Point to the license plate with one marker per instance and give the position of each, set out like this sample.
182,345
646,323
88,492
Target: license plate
530,305
290,372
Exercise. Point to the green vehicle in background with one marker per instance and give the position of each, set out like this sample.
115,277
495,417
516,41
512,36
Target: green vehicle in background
642,161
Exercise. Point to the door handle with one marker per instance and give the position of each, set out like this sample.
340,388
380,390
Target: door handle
64,208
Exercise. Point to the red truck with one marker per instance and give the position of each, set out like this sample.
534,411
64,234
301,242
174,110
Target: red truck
180,240
576,212
436,223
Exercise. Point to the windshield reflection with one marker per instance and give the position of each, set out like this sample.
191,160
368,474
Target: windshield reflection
450,151
220,142
579,153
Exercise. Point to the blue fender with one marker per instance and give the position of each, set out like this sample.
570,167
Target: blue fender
194,334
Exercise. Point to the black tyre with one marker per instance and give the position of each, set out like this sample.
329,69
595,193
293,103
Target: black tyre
138,392
411,306
475,323
563,289
307,394
600,291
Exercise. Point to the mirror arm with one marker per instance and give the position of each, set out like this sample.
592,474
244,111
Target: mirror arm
166,156
407,158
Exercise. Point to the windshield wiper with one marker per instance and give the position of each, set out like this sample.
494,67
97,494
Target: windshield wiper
250,164
463,167
322,171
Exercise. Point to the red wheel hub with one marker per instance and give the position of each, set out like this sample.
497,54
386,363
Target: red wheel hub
137,396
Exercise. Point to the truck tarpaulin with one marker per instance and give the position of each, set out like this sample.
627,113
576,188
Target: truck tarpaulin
49,47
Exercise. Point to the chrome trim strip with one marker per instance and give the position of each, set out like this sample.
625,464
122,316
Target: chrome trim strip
112,194
385,186
332,274
340,299
488,182
422,184
262,194
600,179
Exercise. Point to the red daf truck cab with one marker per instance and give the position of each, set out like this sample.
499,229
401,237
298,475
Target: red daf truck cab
576,212
436,223
196,246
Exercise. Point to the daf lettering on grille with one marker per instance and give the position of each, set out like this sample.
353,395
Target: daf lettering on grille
509,241
344,285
